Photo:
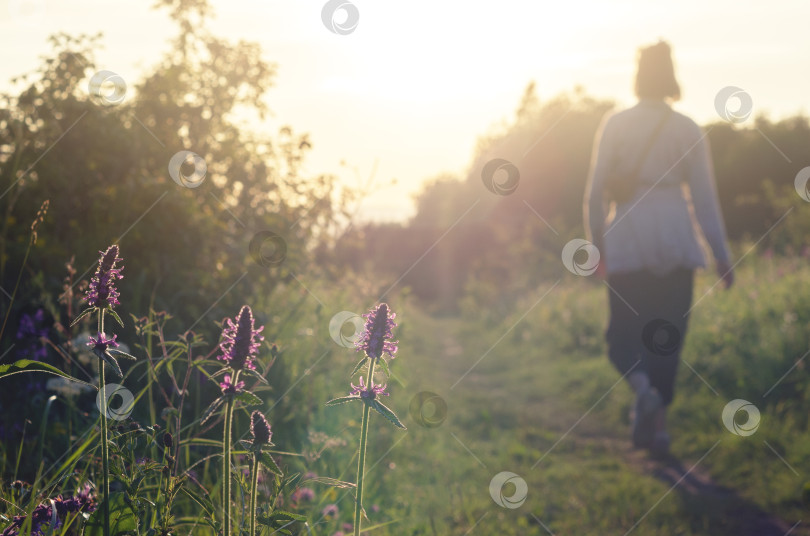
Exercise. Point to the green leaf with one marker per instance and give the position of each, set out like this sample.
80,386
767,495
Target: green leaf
358,366
123,354
384,365
261,389
83,314
123,520
110,360
115,315
28,365
247,398
268,461
256,375
250,447
383,410
343,400
222,371
209,412
280,519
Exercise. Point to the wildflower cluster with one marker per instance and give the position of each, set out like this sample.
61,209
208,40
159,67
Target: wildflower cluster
239,347
237,351
102,297
43,515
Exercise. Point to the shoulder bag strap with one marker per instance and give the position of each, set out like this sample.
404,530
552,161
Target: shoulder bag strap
650,142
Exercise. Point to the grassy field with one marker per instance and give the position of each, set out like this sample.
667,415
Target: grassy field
524,387
532,393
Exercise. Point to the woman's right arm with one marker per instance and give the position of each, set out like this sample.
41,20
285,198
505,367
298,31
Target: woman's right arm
707,207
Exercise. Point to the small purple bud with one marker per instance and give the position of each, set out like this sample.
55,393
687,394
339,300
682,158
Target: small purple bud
260,429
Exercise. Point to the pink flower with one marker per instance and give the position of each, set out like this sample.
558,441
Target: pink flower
372,392
102,343
228,388
303,494
330,511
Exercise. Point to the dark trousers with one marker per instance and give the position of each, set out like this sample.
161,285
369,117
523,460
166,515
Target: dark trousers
648,320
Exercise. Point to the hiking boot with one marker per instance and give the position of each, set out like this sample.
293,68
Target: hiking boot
660,445
647,405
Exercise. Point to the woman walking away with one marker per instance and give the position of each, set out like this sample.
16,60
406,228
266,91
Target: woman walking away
652,169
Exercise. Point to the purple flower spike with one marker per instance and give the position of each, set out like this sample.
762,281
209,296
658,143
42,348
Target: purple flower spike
240,340
102,291
375,340
31,325
229,388
102,343
372,392
30,333
260,429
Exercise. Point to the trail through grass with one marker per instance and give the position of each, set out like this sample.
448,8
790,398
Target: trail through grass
534,395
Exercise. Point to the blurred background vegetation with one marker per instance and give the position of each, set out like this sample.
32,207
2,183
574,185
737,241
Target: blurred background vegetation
467,254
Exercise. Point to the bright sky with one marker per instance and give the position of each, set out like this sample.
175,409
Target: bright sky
408,92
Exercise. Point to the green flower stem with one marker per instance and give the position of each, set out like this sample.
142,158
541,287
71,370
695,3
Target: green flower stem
358,506
105,454
226,462
254,484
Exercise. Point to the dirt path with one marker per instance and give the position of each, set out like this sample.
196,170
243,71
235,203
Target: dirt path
705,501
731,513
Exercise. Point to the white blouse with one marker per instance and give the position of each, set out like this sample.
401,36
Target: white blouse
657,229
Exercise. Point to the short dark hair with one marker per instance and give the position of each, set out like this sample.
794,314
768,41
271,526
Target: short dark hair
655,78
